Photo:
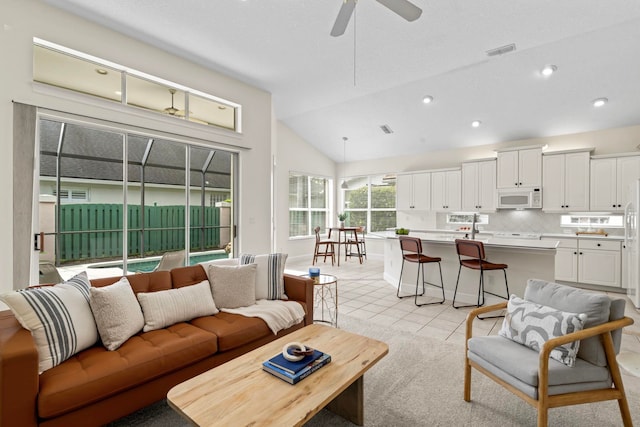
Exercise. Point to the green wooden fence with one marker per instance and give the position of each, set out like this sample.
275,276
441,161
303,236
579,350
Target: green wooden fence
94,231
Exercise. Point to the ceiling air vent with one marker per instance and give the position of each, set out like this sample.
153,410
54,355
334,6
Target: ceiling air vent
501,50
386,129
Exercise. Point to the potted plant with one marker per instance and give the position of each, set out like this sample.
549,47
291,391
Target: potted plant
342,216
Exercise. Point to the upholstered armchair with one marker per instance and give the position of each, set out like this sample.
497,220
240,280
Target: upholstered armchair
535,355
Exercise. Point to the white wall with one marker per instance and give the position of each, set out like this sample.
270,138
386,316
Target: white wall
22,20
295,154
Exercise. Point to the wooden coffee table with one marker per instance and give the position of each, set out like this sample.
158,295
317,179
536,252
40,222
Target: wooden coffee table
239,392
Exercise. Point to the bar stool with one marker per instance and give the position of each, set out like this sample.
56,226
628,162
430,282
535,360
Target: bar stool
411,248
471,255
356,239
329,248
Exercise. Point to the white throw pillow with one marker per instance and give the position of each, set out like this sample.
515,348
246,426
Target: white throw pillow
59,318
165,308
533,324
117,313
233,286
269,276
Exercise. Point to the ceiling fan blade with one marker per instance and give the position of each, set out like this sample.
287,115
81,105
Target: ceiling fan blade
342,20
404,8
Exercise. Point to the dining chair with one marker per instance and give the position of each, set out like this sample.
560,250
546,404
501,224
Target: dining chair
356,239
319,251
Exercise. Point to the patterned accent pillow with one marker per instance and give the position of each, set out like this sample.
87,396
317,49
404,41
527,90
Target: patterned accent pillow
533,324
165,308
117,313
270,274
59,318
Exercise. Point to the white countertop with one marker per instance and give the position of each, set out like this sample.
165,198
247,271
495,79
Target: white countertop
449,237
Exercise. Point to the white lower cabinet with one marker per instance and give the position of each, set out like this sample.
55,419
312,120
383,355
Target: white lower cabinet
589,261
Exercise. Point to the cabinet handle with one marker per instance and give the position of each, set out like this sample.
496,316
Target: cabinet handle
619,206
575,253
580,253
614,206
599,244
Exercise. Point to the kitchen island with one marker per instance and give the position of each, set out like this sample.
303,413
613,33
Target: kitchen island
526,259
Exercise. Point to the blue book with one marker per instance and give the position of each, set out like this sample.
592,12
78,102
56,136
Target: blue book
295,378
294,367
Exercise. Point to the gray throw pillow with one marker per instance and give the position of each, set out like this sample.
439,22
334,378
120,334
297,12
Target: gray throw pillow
233,286
117,312
269,276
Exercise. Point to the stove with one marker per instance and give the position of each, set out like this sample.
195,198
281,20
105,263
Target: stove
516,235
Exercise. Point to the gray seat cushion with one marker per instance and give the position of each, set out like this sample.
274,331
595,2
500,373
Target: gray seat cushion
518,366
596,306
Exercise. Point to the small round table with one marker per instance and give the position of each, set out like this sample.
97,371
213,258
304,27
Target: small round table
326,298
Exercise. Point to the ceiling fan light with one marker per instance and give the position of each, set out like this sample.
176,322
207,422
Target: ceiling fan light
548,70
428,99
599,102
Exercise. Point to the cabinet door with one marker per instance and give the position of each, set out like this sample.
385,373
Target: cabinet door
530,167
603,184
566,264
453,190
422,191
599,267
438,191
553,174
507,176
576,181
487,186
404,192
628,171
470,186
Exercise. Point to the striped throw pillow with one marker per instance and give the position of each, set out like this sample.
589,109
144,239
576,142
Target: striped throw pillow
533,324
269,276
59,318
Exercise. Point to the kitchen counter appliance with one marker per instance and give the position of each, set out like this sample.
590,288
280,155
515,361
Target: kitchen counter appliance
520,198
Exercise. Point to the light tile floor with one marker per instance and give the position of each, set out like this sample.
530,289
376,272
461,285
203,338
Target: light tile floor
364,294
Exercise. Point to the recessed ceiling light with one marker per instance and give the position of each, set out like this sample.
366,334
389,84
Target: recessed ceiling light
118,92
427,99
547,70
101,71
476,123
599,102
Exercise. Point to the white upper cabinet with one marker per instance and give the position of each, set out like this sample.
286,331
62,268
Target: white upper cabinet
610,181
479,186
413,192
520,168
565,182
446,190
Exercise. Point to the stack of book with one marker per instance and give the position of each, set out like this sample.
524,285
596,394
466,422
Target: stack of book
293,372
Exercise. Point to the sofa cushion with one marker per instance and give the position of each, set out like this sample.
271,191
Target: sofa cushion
233,286
59,318
117,312
270,274
145,282
533,324
97,373
233,330
222,261
566,298
164,308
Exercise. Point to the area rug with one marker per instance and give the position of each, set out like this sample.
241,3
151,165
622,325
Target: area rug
420,383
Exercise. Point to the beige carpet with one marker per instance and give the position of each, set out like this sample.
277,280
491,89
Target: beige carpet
419,383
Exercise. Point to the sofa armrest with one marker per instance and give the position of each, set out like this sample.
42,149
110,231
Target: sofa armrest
300,289
18,373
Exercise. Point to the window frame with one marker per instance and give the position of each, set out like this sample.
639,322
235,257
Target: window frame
309,209
369,210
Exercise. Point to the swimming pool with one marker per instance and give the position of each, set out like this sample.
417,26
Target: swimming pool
147,265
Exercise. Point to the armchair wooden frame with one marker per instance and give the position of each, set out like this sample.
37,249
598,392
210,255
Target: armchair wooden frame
544,401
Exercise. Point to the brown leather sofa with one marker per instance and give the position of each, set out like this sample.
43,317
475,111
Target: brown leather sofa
97,386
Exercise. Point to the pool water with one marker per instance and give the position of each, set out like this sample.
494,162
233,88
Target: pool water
145,266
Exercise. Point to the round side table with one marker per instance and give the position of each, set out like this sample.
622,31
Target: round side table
325,298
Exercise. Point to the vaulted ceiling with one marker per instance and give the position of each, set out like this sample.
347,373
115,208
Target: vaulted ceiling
377,73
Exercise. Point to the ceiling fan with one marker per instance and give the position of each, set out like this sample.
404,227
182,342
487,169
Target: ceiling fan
404,8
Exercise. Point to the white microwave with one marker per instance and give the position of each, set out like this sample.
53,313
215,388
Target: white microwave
520,198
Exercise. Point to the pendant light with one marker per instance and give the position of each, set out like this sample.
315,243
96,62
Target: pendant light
344,185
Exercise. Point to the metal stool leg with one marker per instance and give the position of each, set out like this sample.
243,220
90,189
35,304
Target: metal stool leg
432,284
499,296
417,281
453,304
